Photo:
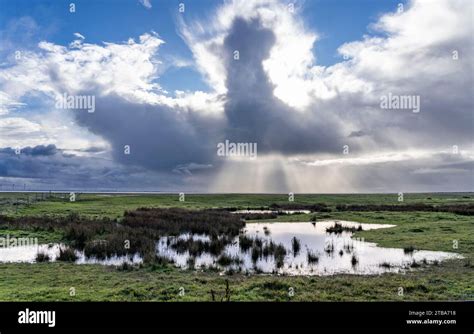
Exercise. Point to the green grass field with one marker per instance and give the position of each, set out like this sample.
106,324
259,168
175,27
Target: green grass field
450,280
115,205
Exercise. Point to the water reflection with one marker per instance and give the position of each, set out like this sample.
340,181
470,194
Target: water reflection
288,212
278,248
320,253
29,254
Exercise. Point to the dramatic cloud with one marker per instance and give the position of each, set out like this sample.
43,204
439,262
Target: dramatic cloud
159,137
317,128
253,112
49,168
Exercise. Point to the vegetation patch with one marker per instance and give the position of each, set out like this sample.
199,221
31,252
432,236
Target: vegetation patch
339,228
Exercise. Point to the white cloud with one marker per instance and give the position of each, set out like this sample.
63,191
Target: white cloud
78,35
418,41
146,3
54,127
380,158
289,57
129,70
7,104
126,69
18,132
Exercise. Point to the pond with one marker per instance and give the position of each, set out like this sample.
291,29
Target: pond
322,248
288,212
27,253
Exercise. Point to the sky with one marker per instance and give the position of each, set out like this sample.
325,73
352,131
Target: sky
334,96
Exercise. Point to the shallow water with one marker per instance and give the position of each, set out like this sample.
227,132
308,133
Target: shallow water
335,251
28,254
313,238
289,212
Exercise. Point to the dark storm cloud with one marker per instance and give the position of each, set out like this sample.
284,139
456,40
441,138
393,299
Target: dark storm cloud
254,114
356,134
39,150
43,162
159,137
59,171
92,149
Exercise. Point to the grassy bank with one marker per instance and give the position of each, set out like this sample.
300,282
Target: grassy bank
53,281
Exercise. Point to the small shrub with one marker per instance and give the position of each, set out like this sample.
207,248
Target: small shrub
408,250
226,260
385,265
245,243
67,254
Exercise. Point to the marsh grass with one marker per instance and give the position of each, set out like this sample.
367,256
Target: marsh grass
408,249
67,254
245,242
296,246
266,231
137,232
338,228
386,265
226,260
191,262
258,216
320,207
256,253
279,254
177,221
194,247
42,257
312,257
223,296
415,264
125,266
460,209
329,248
354,260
